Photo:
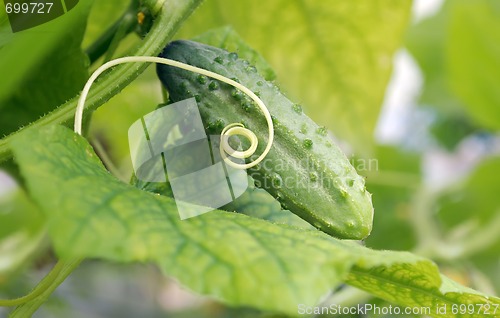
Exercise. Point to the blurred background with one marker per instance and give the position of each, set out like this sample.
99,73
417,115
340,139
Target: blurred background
412,89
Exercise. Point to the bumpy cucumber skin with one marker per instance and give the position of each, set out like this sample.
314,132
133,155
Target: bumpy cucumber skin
305,171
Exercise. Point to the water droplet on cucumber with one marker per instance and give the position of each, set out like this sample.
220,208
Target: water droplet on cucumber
308,143
313,176
220,124
297,108
279,196
275,120
236,94
343,193
303,129
202,79
322,131
213,86
251,69
233,56
246,106
276,180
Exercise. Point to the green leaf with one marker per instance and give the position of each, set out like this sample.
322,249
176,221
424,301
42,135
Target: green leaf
451,129
426,41
403,284
457,52
242,260
5,30
328,55
472,52
41,68
235,258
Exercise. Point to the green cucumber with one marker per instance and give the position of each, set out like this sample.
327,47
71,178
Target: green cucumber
305,171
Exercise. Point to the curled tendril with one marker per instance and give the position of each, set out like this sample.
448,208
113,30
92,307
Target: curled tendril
230,130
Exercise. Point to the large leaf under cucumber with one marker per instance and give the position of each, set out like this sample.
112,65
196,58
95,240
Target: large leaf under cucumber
305,171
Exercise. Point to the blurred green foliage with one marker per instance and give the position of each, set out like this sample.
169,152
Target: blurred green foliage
472,50
336,60
329,57
458,53
393,186
26,60
457,50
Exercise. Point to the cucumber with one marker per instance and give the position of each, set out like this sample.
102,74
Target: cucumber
305,171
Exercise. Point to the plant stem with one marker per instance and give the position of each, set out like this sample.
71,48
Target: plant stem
348,296
164,27
45,288
106,160
426,230
482,238
154,5
476,241
39,289
126,23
